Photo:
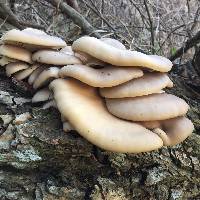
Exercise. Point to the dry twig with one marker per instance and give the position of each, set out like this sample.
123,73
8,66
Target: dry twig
76,17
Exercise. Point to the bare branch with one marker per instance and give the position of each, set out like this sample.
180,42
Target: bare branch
76,17
6,13
188,44
151,24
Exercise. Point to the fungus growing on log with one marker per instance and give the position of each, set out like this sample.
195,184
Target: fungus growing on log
104,77
45,77
148,108
118,57
14,67
75,99
54,57
32,39
17,53
131,85
148,84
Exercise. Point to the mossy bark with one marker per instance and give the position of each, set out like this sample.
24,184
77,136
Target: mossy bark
39,161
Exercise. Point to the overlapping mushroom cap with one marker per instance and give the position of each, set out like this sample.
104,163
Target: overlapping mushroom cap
14,67
54,57
32,38
104,77
148,108
148,84
17,53
81,105
118,57
131,82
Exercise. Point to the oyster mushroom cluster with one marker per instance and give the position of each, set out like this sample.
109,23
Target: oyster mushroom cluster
112,96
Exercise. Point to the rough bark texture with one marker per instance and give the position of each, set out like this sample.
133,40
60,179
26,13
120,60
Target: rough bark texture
39,161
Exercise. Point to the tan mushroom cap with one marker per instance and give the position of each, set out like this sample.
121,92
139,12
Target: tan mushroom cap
17,53
148,84
68,50
148,108
35,74
32,38
67,127
105,77
85,110
113,42
118,57
45,77
42,95
51,103
14,67
172,131
55,57
90,60
4,60
20,75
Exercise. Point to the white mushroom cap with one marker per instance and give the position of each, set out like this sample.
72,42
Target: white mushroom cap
85,110
35,74
148,108
55,57
67,127
89,60
14,67
148,84
174,131
104,52
42,95
20,75
51,103
16,53
68,50
114,43
46,76
105,77
4,60
32,37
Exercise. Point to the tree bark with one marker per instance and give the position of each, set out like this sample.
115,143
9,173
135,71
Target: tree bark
39,161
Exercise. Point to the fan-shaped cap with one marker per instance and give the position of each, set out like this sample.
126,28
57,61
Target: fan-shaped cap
17,53
148,84
4,60
35,74
42,95
172,131
14,67
118,57
55,57
148,108
90,60
32,38
85,110
105,77
45,77
20,75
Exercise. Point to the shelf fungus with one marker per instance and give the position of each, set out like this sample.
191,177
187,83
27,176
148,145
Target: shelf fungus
81,105
55,57
113,97
107,76
148,84
112,55
148,108
17,53
32,39
14,67
45,77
